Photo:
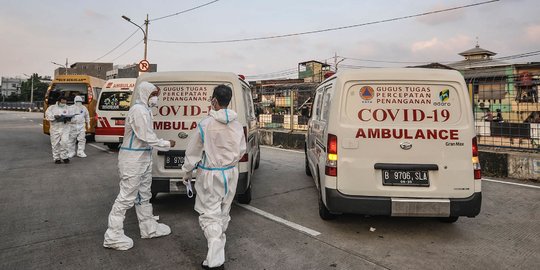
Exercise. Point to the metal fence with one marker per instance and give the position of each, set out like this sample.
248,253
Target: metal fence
284,105
506,108
22,106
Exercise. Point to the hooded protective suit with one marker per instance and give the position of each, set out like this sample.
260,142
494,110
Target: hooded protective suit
215,149
135,168
59,131
79,121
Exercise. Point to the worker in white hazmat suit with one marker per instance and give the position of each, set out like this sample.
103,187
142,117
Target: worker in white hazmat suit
135,168
79,124
214,150
58,116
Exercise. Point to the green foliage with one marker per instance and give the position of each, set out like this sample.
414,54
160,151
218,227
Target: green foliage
40,88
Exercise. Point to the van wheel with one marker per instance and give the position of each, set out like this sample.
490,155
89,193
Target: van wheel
246,197
308,171
448,219
91,138
258,159
153,198
112,146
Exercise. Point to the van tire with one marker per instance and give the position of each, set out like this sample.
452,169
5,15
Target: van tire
112,146
91,137
308,171
246,197
258,160
324,213
153,198
448,219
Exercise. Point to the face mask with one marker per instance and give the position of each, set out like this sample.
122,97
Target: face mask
78,103
153,101
61,105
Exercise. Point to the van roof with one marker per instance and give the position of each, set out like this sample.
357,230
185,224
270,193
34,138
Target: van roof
189,76
401,74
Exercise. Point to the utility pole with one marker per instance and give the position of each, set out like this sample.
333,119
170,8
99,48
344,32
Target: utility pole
31,91
336,62
146,37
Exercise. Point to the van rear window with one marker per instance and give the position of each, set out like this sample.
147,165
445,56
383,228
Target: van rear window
403,104
115,101
69,90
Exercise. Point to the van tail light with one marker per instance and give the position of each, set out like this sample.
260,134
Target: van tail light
475,160
331,156
90,94
245,157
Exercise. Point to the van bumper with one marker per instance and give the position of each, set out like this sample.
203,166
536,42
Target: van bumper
338,202
170,185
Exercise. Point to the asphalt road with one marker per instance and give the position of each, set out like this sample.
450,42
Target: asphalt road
54,217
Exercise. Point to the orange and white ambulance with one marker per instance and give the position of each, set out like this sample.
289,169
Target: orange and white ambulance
112,108
397,142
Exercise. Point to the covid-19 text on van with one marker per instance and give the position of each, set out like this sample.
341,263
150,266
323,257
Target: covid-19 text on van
398,142
69,86
112,108
183,102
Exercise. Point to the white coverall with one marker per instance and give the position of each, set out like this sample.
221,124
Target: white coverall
77,137
59,131
135,169
215,149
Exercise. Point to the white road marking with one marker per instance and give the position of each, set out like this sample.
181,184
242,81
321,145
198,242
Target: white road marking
510,183
286,150
280,220
41,124
100,148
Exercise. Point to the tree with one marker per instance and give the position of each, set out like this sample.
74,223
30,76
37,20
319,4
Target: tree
40,88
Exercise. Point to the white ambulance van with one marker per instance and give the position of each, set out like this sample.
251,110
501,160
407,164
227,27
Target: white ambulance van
183,103
395,142
112,108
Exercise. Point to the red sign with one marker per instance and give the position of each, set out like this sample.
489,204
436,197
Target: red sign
144,66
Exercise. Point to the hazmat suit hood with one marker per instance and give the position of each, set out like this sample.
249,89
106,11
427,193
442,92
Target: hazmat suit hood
145,89
224,116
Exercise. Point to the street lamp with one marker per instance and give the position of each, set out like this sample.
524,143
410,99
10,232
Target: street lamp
64,66
31,91
145,33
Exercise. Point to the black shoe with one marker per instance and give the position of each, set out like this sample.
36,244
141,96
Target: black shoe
221,267
58,161
66,160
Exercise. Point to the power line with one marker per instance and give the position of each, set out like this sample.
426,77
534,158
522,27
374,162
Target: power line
509,57
184,11
390,62
113,49
128,50
327,29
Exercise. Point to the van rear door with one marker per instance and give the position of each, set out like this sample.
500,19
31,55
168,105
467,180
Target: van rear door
405,138
181,106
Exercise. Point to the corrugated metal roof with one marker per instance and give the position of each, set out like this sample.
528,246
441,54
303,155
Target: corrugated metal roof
476,51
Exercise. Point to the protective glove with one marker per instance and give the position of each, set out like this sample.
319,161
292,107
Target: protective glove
187,183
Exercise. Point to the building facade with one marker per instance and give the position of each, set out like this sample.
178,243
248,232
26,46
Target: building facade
129,71
11,86
98,70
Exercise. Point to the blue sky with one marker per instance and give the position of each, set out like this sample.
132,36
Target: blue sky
34,33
